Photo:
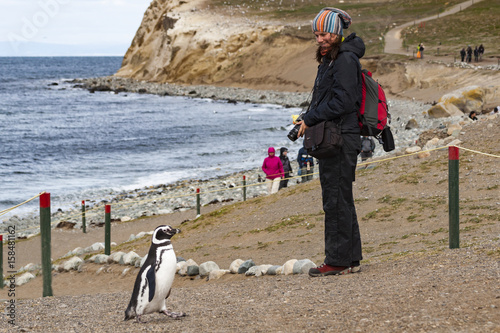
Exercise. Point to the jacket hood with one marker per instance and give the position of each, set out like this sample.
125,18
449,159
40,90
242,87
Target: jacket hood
353,43
271,150
282,150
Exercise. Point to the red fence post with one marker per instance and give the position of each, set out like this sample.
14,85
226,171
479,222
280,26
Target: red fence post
453,204
45,231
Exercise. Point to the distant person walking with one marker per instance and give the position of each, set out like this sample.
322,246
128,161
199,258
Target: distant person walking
462,54
273,169
287,167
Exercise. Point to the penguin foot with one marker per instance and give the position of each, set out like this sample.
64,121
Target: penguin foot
175,315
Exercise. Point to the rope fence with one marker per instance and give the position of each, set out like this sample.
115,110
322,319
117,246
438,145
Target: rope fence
46,224
95,211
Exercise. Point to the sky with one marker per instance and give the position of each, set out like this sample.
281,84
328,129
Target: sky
52,27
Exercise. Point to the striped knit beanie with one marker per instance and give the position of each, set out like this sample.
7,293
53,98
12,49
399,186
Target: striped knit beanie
331,20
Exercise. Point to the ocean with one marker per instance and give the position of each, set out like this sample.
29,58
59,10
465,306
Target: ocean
78,145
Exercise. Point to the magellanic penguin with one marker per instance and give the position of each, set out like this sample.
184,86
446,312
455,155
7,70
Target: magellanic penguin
153,283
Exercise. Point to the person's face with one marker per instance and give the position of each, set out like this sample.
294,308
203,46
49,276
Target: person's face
325,39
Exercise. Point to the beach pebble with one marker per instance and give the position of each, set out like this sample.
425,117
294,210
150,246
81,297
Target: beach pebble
217,274
116,257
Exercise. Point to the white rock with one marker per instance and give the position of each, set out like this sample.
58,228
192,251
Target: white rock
97,246
130,258
100,258
189,262
131,238
252,271
78,251
116,257
140,235
207,267
288,266
217,274
413,149
280,270
235,265
125,218
263,269
455,142
25,278
72,264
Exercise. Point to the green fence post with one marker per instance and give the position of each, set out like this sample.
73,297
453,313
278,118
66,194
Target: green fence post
45,231
1,261
198,208
453,187
107,230
84,224
244,188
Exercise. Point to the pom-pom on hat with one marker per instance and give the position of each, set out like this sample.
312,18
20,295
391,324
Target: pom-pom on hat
331,20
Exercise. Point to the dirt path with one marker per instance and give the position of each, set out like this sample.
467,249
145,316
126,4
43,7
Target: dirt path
393,42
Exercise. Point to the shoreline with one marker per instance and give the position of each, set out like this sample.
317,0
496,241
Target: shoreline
160,199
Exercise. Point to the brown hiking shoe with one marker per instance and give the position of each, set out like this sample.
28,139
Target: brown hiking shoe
325,269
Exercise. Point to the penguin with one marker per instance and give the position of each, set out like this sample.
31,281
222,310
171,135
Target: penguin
154,280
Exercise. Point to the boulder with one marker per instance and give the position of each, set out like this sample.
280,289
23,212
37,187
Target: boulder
459,102
100,258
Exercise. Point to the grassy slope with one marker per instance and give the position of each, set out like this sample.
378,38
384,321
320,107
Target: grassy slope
371,20
478,24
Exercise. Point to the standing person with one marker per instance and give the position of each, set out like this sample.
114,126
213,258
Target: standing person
481,52
469,53
337,96
273,169
462,54
421,49
367,148
287,167
476,54
306,164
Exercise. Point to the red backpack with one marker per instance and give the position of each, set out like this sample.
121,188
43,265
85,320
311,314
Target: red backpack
373,115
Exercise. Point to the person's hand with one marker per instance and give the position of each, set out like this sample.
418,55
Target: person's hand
302,128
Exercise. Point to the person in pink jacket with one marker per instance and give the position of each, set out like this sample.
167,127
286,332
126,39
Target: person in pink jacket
273,168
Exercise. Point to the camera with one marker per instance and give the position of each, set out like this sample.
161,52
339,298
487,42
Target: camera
293,134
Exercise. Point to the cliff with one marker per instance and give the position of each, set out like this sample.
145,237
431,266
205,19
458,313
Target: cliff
190,43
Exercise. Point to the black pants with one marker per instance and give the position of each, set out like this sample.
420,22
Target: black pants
342,237
284,182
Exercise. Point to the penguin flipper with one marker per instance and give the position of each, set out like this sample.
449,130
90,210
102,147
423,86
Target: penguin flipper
150,277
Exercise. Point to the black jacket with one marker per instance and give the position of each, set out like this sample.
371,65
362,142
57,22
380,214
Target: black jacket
337,89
